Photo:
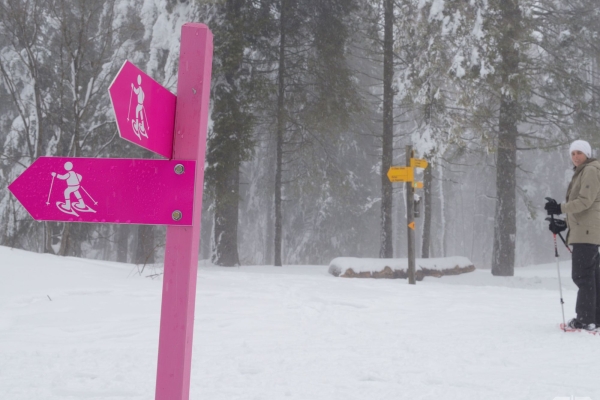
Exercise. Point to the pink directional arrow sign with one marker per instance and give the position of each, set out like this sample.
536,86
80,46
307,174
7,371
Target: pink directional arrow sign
144,109
108,190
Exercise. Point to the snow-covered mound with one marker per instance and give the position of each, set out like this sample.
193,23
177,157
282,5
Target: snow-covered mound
350,267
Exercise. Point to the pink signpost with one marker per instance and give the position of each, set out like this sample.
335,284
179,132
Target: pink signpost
144,110
137,191
181,253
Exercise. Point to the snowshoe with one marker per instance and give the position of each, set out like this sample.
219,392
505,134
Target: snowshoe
568,328
142,130
577,324
63,207
136,130
84,208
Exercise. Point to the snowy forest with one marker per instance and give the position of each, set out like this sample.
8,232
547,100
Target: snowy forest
312,101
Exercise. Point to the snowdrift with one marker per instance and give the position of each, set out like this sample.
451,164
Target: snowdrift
397,268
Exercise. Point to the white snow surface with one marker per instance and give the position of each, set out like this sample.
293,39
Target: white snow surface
340,265
82,329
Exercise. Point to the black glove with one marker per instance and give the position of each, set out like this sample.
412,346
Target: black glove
552,207
556,225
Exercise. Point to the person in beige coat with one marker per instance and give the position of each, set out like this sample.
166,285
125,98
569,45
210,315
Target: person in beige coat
582,208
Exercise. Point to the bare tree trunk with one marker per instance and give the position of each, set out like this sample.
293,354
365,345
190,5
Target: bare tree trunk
505,229
122,243
270,221
47,238
225,228
280,133
64,240
443,224
410,219
207,229
427,188
387,249
144,253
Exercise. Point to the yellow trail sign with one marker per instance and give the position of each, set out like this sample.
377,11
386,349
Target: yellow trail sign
418,163
401,174
412,225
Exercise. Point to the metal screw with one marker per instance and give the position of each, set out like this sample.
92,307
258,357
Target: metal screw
179,169
176,215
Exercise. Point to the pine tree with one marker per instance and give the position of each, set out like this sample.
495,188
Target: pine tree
235,87
524,87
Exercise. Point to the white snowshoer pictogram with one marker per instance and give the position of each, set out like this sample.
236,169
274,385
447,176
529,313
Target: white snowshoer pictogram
140,124
73,180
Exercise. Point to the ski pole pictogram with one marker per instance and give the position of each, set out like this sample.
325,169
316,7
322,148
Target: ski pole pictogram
86,192
129,109
50,191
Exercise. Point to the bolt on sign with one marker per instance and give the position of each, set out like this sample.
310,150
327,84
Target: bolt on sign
401,174
138,191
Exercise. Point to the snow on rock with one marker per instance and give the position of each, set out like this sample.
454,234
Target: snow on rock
351,267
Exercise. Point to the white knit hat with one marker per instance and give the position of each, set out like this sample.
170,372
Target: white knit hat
582,146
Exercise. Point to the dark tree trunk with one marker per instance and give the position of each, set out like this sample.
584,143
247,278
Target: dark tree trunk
410,219
427,210
505,229
122,243
232,128
64,240
270,221
225,228
48,238
280,133
207,230
387,154
144,253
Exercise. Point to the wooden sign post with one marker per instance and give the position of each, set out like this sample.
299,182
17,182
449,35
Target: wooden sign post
407,174
410,221
181,253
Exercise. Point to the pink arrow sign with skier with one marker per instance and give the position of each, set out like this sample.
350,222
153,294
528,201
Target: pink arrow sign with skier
144,110
108,190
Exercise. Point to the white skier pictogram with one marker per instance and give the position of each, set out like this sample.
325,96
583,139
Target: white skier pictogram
73,185
140,124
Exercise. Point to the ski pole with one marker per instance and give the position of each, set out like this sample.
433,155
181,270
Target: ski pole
86,192
566,245
129,109
146,115
50,191
562,302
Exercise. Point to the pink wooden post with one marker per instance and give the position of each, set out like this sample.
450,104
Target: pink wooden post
181,254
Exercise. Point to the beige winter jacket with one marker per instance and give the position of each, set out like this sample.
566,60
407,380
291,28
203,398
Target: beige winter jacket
583,204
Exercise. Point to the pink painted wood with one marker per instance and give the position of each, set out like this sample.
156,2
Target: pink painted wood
107,190
144,118
181,254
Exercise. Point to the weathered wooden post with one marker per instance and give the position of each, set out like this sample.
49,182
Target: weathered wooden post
410,220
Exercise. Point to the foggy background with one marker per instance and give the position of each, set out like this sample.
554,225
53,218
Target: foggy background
318,102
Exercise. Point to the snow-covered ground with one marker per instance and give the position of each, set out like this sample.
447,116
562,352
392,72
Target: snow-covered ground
82,329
